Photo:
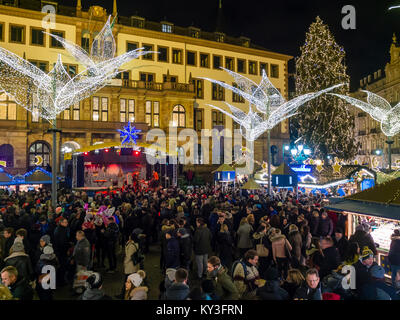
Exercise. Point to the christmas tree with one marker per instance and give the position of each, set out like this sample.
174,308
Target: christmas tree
324,124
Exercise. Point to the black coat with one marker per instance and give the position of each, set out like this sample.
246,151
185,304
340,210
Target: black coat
325,227
202,241
394,252
290,288
364,239
272,291
185,248
329,262
225,245
61,241
22,262
172,258
314,225
363,275
22,290
342,246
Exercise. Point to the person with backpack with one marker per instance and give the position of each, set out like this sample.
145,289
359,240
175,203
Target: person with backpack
245,275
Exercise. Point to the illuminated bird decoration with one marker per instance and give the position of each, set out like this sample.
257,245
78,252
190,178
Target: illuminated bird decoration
48,94
379,109
267,100
129,134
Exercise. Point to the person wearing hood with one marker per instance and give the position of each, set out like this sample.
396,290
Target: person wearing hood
394,254
134,289
20,260
185,248
223,284
178,290
46,258
271,289
94,284
43,242
281,249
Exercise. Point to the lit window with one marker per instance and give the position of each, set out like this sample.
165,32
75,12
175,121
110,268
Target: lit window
179,116
166,28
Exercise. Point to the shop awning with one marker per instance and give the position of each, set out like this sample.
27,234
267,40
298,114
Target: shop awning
251,185
224,168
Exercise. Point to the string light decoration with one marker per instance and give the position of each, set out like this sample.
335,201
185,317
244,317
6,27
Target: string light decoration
129,134
267,100
325,124
379,109
47,95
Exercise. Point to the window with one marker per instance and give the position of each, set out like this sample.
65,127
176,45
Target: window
147,77
194,33
274,71
263,66
218,118
166,27
17,34
241,65
72,69
147,47
204,60
53,42
125,78
127,110
156,114
85,40
131,46
219,37
179,116
217,92
252,67
7,155
104,109
42,65
67,114
177,56
198,88
95,109
37,37
76,111
39,150
35,114
1,31
217,62
191,58
169,78
229,63
163,54
198,119
236,97
149,112
8,108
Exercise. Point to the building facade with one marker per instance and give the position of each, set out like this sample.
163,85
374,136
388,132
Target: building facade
158,90
374,149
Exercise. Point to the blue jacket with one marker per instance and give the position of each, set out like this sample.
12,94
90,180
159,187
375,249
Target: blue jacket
177,291
172,259
378,290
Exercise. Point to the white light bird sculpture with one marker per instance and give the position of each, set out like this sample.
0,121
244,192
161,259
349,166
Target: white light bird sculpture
268,101
379,109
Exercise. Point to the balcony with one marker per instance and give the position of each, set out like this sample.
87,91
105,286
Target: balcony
88,125
153,86
362,133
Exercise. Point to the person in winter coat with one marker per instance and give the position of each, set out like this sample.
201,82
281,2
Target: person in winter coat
271,290
82,251
296,242
18,285
244,234
377,289
223,284
331,258
43,242
178,289
47,258
246,275
341,243
293,281
363,238
225,246
94,285
311,289
280,247
172,258
202,246
325,226
306,243
185,248
394,254
111,234
314,223
363,269
9,240
61,246
134,289
21,261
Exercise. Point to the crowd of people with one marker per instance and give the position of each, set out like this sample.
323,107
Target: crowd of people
215,245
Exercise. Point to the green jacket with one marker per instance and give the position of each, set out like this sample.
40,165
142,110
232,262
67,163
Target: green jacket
224,287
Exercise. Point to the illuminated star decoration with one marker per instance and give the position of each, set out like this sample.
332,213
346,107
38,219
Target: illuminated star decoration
129,134
336,167
320,165
46,95
267,100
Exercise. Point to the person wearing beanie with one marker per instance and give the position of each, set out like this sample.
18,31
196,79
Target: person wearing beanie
20,260
46,258
134,289
378,289
271,290
394,254
93,290
363,268
43,242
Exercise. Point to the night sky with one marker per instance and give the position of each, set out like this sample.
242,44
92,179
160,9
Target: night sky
281,25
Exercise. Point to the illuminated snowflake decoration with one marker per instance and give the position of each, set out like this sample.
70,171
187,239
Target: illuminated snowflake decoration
129,134
268,101
48,94
379,109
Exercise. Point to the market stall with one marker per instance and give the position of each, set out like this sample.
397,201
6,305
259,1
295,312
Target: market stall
284,177
379,208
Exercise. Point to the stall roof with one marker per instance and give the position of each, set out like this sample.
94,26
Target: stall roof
224,168
251,185
385,193
38,176
284,170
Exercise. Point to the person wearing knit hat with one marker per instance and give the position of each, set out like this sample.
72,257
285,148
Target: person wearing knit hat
20,260
94,291
133,286
363,268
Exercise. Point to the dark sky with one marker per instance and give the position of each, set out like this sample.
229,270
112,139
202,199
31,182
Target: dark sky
281,25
